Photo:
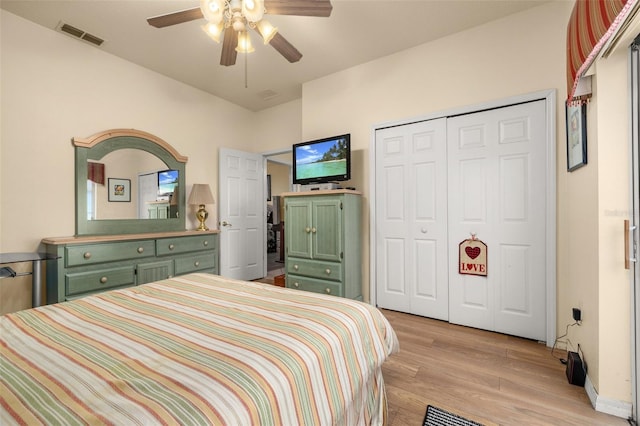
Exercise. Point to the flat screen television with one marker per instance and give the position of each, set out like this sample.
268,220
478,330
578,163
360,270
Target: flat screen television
167,181
322,160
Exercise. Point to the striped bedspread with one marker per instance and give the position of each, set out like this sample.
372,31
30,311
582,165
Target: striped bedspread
195,350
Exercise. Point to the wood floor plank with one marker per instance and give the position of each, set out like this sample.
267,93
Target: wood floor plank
487,377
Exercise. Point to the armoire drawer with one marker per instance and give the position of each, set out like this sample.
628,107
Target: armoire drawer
90,254
167,246
314,285
195,263
314,268
95,281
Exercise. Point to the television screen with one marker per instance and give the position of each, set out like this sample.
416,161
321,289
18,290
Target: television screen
167,181
322,160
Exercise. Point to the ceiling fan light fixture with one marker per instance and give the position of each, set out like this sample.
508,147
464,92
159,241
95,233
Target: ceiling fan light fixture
244,43
267,31
253,10
214,30
213,10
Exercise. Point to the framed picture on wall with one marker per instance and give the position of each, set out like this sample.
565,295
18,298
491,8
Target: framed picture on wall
576,136
119,190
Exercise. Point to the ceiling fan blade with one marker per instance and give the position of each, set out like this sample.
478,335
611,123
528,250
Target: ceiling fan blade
229,44
174,18
299,7
285,48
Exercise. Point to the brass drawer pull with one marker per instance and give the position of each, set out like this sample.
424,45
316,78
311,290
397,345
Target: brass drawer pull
328,271
103,280
205,243
307,229
196,263
296,284
327,290
296,267
171,246
313,230
140,250
87,255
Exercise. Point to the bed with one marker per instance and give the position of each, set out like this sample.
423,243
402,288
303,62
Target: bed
193,350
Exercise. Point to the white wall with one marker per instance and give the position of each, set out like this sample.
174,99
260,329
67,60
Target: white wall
505,58
55,88
614,292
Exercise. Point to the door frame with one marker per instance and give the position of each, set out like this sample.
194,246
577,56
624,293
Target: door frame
634,196
266,159
549,96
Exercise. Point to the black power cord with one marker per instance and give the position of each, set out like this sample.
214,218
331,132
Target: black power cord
562,360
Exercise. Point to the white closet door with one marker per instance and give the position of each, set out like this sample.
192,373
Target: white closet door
497,180
411,219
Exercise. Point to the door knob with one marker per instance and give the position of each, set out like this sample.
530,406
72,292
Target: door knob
225,223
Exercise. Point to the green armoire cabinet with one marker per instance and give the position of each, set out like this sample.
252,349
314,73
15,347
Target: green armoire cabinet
322,242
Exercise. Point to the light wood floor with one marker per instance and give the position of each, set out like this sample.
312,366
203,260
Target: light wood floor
484,376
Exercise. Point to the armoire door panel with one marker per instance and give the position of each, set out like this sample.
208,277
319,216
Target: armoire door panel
326,231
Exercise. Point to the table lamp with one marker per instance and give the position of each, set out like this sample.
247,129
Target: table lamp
201,195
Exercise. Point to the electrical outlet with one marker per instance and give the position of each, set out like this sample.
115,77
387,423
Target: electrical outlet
577,314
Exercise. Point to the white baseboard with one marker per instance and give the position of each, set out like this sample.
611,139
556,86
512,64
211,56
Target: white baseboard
606,405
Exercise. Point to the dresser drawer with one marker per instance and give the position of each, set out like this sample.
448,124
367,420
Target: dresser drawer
94,281
167,246
314,268
317,286
90,254
195,263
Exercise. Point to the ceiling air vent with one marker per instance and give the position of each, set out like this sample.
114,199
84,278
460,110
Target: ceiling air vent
267,95
79,34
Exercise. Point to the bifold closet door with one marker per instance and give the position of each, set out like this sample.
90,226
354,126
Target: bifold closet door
497,186
411,219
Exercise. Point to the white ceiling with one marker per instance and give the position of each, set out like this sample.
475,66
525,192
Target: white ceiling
355,33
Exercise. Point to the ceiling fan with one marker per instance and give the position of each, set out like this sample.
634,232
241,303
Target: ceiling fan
231,19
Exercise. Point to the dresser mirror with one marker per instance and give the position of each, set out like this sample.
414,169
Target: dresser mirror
128,182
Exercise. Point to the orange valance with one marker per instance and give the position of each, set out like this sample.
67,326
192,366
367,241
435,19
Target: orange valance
591,24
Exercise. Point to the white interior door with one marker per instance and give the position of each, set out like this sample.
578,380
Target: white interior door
242,214
147,191
411,212
497,187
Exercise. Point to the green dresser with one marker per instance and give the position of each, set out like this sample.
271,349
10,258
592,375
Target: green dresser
322,242
87,265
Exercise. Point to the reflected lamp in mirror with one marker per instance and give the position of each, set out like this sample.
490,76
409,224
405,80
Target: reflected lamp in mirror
201,195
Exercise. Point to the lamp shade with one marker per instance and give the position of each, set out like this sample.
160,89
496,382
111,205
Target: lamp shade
267,31
244,43
200,194
214,30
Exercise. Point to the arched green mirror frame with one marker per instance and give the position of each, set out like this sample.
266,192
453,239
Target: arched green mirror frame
95,148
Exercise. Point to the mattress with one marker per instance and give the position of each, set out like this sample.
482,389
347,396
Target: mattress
197,349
